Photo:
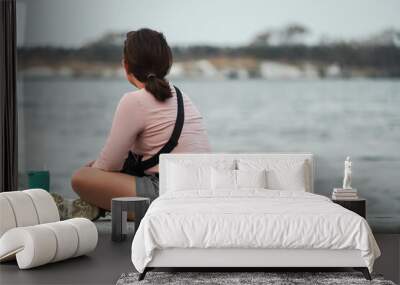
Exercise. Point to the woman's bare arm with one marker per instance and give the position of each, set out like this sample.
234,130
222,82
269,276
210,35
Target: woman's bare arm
127,124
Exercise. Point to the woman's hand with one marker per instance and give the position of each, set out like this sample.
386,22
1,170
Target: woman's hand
90,163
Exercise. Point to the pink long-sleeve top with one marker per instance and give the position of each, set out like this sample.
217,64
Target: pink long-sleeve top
143,125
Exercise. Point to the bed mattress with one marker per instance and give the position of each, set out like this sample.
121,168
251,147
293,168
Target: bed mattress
250,219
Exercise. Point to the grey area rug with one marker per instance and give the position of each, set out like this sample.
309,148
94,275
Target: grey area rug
228,278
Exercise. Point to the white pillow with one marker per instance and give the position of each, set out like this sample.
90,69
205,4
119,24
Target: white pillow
193,174
181,177
223,179
251,178
227,179
282,174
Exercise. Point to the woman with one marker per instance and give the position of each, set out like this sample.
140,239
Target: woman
143,123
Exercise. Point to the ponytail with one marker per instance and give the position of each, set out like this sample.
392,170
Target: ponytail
159,87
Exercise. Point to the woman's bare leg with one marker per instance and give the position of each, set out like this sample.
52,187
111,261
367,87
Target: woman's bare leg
98,187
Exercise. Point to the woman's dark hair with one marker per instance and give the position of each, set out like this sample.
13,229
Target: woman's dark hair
149,58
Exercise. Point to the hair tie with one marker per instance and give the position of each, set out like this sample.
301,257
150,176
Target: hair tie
151,75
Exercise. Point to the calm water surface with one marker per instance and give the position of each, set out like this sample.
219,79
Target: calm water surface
64,123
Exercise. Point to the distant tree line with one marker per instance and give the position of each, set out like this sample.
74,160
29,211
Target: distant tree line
384,59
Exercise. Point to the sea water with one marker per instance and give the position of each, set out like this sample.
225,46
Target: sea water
63,123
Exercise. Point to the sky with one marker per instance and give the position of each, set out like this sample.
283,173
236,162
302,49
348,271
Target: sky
72,23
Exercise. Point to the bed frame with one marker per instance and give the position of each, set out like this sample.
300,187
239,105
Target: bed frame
242,259
249,259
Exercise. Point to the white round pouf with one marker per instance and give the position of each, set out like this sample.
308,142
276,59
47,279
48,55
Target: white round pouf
45,206
23,208
67,240
87,234
32,246
7,218
40,244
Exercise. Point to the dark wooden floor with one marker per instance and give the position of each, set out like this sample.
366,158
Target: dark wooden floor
106,264
103,266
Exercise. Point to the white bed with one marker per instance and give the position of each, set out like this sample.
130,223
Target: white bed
284,225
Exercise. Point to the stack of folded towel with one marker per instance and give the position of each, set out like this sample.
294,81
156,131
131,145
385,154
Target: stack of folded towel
344,194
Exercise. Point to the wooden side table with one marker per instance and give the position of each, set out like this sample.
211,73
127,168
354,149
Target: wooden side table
358,206
119,214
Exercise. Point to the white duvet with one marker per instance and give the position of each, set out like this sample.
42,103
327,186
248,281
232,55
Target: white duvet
250,219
